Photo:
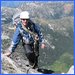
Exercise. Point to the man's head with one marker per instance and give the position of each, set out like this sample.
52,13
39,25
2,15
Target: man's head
24,16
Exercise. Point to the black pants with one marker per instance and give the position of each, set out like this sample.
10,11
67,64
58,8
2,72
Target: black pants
31,54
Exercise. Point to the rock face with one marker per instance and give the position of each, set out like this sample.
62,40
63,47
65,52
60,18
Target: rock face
12,67
4,36
71,70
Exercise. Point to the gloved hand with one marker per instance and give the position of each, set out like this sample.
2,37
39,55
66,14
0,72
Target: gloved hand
8,53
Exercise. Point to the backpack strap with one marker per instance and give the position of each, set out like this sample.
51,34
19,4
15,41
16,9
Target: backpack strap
21,32
27,30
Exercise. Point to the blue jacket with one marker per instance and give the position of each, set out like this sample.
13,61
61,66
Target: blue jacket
26,36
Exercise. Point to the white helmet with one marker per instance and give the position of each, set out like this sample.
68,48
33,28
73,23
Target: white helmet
24,15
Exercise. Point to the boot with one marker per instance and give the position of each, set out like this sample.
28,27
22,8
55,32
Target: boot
31,59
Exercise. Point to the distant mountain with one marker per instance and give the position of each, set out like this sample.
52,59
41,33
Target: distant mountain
12,4
50,10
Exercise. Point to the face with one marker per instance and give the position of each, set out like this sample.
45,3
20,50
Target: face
24,22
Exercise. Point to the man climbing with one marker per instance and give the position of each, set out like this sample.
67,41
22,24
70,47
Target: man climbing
31,37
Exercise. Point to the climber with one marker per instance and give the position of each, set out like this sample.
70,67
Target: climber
31,37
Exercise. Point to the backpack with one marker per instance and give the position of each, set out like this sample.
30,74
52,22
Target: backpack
16,18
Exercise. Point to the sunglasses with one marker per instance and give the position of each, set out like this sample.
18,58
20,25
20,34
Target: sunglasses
25,19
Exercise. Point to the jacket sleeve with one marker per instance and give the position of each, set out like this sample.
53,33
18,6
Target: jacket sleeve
15,40
38,31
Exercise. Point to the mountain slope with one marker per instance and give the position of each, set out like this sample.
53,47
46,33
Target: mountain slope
58,32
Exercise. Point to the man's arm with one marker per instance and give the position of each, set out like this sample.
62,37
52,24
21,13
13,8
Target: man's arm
41,37
15,41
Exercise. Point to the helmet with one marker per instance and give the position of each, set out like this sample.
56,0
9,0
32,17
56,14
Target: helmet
24,15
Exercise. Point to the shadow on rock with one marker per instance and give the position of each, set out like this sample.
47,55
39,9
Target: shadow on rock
45,71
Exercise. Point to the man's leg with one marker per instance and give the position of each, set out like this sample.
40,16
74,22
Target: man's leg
36,51
30,53
36,63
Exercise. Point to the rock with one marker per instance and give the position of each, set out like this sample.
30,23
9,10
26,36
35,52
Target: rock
4,72
71,70
4,36
9,66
